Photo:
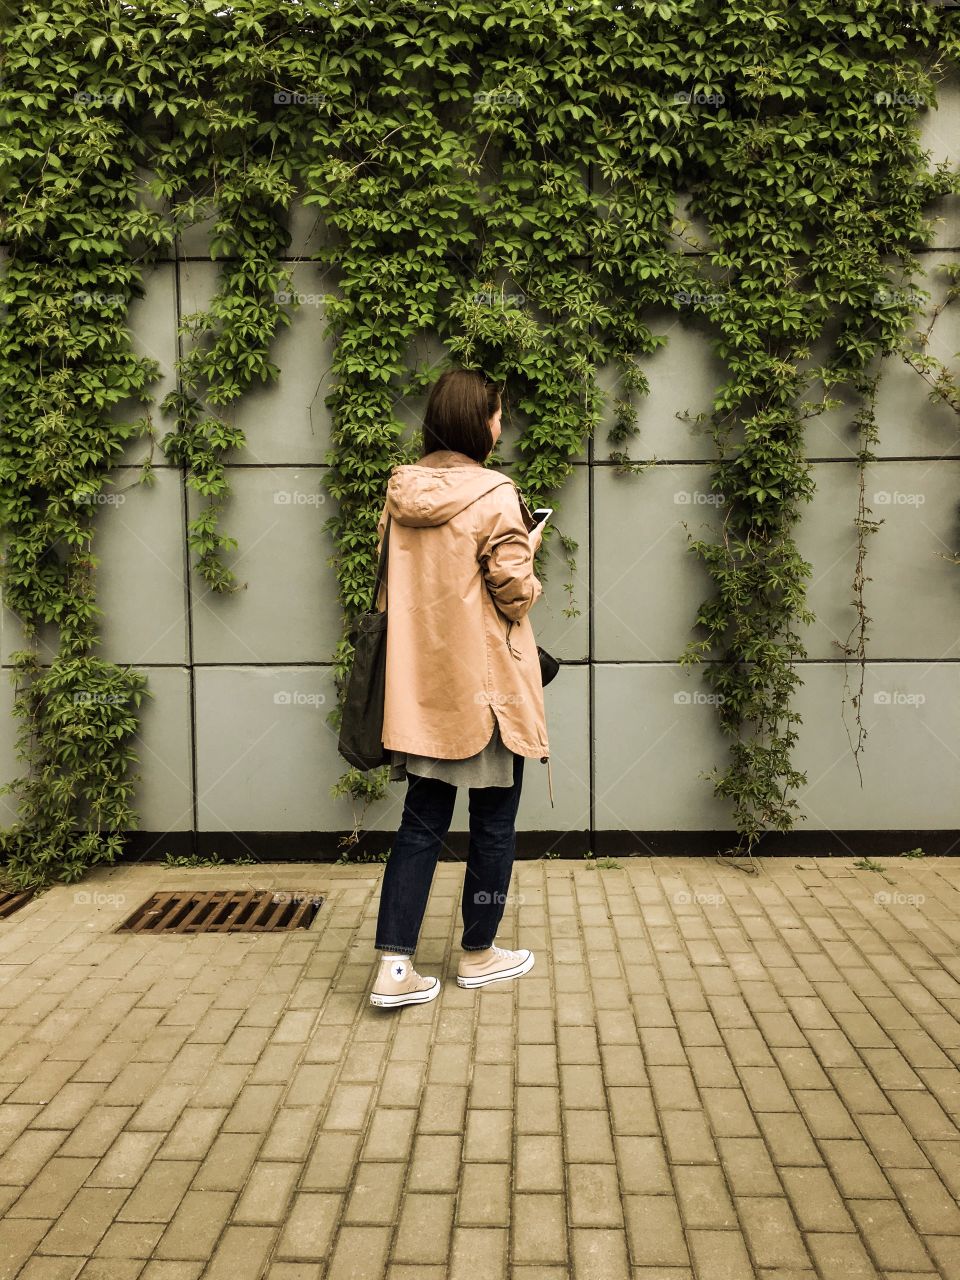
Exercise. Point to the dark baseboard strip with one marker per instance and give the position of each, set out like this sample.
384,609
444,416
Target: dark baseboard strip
327,846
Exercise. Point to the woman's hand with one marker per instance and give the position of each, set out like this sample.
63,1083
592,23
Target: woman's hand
536,536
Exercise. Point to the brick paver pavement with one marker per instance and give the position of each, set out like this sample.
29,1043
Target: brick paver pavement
707,1074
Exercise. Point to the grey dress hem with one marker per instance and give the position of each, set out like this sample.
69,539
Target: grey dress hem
490,767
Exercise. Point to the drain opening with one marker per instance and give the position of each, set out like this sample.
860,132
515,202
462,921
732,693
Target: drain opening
11,902
224,911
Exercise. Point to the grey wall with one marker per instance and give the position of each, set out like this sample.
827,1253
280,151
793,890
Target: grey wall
628,728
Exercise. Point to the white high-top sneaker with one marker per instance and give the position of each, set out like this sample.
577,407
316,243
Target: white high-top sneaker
399,983
500,964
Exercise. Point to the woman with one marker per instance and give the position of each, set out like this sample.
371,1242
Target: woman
464,697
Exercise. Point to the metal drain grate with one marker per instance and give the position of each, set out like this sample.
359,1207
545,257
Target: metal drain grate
224,911
11,902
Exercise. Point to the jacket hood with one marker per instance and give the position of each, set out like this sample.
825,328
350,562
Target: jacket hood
419,494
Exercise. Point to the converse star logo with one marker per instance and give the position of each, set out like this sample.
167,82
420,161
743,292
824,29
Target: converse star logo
399,970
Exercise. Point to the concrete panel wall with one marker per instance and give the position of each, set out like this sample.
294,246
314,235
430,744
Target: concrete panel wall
236,738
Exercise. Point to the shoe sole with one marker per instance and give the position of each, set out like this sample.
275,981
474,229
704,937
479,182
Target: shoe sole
406,997
483,979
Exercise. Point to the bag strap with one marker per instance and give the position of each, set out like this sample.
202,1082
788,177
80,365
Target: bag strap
382,566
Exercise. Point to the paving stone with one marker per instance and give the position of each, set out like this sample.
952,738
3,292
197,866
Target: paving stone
196,1226
942,1156
28,1154
449,1064
642,1165
666,1273
537,1109
132,1085
890,1239
946,1253
348,1106
442,1108
587,1137
193,1134
484,1198
599,1255
577,1045
494,1044
127,1160
241,1254
435,1165
359,1253
703,1198
479,1253
840,1255
377,1189
308,1230
401,1084
18,1240
492,1086
594,1196
158,1193
771,1233
222,1087
536,1026
82,1225
267,1193
246,1045
228,1162
816,1200
537,1065
539,1164
310,1085
855,1170
127,1240
712,1068
632,1110
52,1190
929,1205
720,1254
68,1107
162,1108
622,1064
328,1044
788,1139
581,1086
96,1132
38,1268
423,1230
891,1142
390,1136
330,1166
488,1136
654,1231
687,1137
729,1113
539,1229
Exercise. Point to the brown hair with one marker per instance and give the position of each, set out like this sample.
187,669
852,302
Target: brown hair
460,404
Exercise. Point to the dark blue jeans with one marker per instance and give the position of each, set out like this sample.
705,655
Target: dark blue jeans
427,813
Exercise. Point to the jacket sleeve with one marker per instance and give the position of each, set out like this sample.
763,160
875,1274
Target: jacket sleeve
505,555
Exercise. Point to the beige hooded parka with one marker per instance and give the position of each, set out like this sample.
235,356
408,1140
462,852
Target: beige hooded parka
460,582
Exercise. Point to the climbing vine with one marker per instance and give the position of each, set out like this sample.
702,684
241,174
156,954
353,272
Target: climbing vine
495,184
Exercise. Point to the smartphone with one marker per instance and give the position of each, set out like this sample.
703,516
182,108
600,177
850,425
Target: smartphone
542,514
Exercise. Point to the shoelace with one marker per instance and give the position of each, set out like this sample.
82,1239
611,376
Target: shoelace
499,951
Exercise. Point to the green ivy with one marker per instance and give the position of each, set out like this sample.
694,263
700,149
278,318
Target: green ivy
496,184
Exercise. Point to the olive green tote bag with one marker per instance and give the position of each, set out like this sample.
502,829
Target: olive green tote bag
361,728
